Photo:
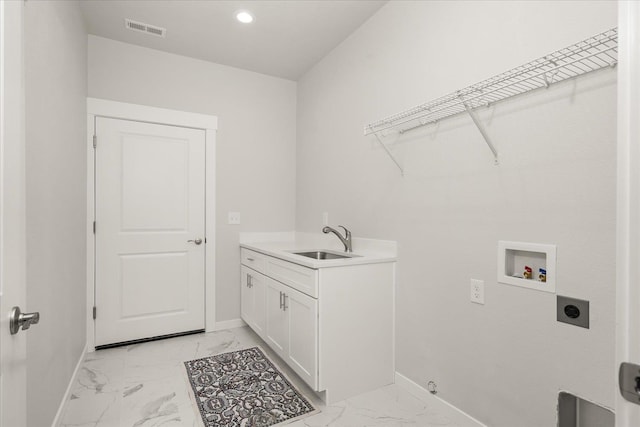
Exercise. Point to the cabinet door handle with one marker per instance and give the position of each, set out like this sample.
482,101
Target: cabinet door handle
281,300
284,304
249,281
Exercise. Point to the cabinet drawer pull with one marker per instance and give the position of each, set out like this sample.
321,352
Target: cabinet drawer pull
250,259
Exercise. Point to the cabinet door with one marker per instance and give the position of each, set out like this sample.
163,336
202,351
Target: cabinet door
302,354
246,296
259,312
276,334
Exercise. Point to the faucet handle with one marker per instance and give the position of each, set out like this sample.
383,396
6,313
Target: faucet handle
347,233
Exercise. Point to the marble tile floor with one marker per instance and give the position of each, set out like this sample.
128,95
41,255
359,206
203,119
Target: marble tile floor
144,385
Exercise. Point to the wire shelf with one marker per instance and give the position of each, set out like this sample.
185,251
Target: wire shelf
594,53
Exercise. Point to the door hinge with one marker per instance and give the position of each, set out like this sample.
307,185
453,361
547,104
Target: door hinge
94,312
94,227
95,141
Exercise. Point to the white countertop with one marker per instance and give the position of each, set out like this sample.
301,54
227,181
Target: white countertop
365,251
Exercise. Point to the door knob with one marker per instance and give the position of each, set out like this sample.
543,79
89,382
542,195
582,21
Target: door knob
24,320
196,241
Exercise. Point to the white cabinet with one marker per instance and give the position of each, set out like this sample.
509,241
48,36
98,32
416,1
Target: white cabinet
333,326
303,346
292,329
252,300
296,276
276,335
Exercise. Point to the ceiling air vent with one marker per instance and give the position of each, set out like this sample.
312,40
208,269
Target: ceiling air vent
145,28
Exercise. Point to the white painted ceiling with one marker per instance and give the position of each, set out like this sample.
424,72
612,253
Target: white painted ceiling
285,40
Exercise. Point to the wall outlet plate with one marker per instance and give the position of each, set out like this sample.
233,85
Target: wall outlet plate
477,291
234,218
572,311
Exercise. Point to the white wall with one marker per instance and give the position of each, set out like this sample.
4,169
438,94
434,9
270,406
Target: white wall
255,151
503,362
56,90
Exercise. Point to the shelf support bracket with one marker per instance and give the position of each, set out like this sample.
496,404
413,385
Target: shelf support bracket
472,114
389,153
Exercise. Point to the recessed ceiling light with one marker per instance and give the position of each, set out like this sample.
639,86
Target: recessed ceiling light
244,16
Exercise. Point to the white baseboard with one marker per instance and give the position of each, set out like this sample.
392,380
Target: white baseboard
456,415
229,324
67,393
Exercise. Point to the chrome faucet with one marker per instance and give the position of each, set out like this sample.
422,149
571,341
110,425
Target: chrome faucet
346,240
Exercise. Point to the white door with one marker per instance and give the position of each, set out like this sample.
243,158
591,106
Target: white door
252,300
150,228
259,288
302,311
12,214
246,296
277,328
628,215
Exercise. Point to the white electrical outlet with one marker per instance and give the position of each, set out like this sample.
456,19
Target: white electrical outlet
234,218
325,218
477,291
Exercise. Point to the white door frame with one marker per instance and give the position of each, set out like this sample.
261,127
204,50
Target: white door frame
13,371
628,204
142,113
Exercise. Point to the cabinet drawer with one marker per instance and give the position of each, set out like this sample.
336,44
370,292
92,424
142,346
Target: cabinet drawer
298,277
252,259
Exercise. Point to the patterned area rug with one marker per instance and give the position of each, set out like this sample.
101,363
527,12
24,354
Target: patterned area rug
244,389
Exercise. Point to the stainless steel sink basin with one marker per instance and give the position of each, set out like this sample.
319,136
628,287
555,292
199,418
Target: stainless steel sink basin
323,255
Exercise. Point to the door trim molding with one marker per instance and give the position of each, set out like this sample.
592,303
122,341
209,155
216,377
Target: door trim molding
142,113
628,205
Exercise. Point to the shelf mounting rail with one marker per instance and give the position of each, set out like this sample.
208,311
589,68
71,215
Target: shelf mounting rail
591,54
